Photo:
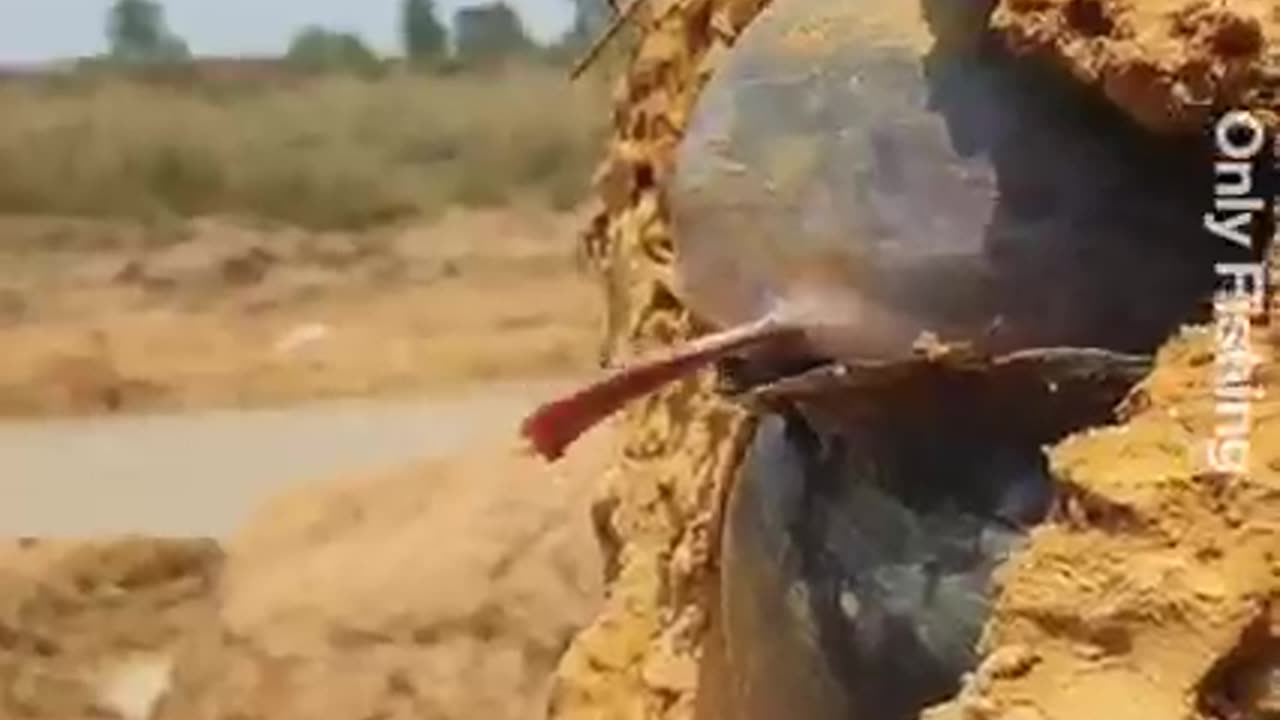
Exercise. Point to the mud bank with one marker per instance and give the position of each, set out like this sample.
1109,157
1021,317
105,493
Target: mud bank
1151,594
1152,591
446,589
110,317
1169,63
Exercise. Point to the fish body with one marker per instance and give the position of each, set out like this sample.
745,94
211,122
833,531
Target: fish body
861,177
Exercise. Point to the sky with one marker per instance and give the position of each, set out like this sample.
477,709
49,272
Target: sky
39,30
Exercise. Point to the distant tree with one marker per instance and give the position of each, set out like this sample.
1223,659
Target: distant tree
488,33
317,49
590,17
137,33
425,39
135,24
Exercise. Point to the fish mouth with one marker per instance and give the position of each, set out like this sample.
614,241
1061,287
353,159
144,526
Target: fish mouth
868,518
1043,393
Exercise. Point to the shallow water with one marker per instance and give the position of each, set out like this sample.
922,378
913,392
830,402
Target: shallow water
204,473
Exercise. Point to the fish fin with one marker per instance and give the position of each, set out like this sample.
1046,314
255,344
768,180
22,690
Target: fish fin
555,425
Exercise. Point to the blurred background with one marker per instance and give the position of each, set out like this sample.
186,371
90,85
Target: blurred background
277,280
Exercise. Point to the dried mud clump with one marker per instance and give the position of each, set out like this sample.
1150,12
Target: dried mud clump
639,659
1170,64
75,617
1154,590
445,592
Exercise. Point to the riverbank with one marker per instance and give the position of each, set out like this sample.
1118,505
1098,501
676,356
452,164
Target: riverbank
446,588
105,317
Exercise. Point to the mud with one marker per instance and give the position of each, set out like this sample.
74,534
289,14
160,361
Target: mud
1169,63
73,612
224,312
443,590
453,583
639,657
1151,594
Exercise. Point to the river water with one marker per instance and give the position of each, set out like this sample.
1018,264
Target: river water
204,473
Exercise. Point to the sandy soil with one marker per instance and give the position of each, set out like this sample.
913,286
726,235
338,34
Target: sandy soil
1169,63
439,576
1152,591
73,613
1157,578
443,590
100,317
1153,594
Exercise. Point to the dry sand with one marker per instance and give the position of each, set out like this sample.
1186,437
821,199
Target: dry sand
376,556
103,317
444,590
1169,63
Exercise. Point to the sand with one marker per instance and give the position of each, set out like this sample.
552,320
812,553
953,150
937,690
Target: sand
446,589
1169,63
223,312
1150,595
367,541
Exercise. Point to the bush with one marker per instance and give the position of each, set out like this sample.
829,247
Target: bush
318,50
488,34
327,151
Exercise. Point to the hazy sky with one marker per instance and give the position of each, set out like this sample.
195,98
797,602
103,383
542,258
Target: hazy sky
32,30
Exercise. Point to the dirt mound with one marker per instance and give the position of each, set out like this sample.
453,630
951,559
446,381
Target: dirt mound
214,312
1153,592
1150,595
73,613
639,658
447,591
1169,63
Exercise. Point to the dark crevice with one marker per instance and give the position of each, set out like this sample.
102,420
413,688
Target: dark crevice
1245,685
1089,17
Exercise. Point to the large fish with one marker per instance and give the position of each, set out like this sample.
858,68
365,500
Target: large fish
862,176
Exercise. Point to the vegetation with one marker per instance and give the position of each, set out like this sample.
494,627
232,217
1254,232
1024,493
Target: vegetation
330,135
137,34
316,49
590,17
330,151
489,33
425,39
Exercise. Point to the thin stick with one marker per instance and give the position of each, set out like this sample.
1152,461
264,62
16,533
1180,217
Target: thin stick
619,19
